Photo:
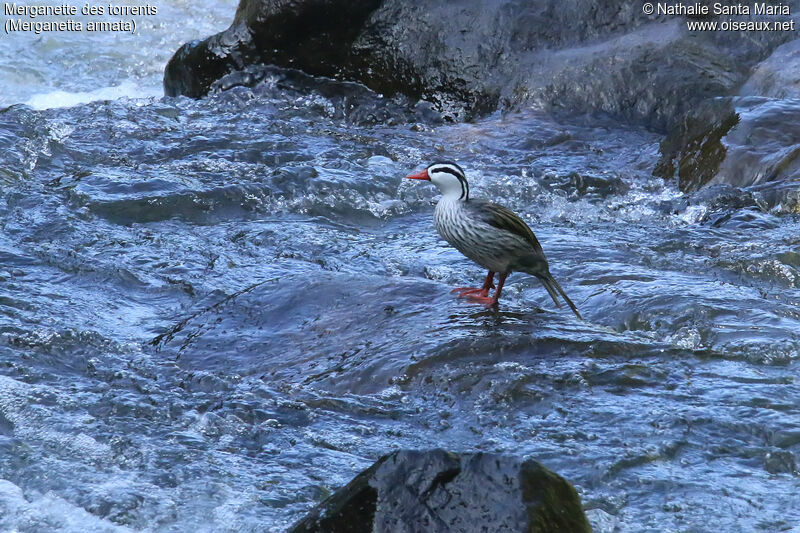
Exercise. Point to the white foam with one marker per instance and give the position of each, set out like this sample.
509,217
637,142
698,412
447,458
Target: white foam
59,98
34,425
47,512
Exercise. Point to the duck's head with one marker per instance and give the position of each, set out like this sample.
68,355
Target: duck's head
448,177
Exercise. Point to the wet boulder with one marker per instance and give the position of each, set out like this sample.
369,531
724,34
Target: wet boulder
746,142
471,57
439,491
750,141
694,149
311,35
778,76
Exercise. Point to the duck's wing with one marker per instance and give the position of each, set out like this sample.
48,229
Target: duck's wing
503,218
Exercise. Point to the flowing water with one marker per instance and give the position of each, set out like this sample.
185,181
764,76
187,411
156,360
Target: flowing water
213,313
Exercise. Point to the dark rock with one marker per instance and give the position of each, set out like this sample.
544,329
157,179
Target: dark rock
694,149
313,35
438,491
349,510
471,57
743,142
6,426
780,462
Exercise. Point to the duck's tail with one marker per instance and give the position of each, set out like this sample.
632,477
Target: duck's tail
554,289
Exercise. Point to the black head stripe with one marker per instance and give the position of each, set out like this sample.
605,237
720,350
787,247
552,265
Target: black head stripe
448,170
452,168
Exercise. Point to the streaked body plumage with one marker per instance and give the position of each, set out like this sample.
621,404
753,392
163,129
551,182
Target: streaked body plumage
476,229
488,233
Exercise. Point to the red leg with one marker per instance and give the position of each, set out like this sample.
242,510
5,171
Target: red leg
500,281
484,298
484,291
489,282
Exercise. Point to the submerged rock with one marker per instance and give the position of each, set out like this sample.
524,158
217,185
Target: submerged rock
439,491
469,57
592,187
